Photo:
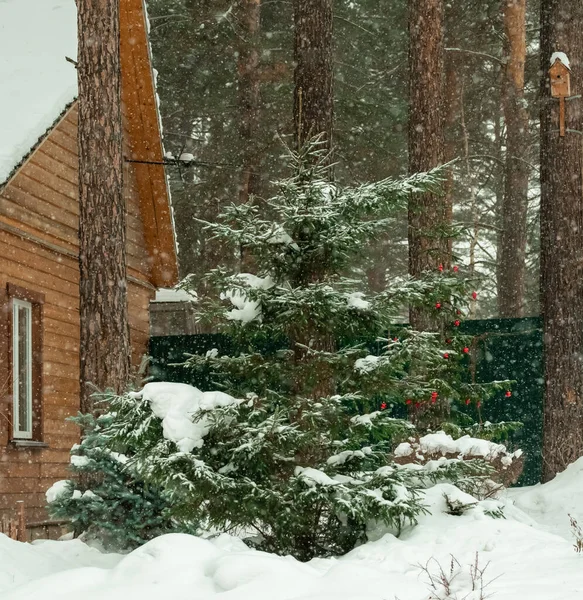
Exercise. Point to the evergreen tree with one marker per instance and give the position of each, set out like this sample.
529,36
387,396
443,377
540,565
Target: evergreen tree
105,500
302,458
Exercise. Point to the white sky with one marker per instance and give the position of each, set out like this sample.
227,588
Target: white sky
36,80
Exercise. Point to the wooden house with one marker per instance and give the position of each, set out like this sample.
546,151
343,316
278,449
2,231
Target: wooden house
39,320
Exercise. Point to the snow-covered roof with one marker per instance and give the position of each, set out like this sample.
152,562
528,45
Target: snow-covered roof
561,57
37,81
174,295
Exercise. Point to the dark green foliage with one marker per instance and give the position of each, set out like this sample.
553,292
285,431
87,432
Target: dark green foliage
107,501
294,476
301,463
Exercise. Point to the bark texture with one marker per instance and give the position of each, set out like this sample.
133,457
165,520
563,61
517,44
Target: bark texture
562,242
104,342
513,235
428,213
313,74
249,12
452,109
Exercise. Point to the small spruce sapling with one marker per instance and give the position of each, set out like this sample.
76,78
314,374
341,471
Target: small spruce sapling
106,500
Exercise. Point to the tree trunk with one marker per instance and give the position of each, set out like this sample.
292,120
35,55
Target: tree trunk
428,213
452,103
104,343
562,242
313,74
249,96
313,116
512,238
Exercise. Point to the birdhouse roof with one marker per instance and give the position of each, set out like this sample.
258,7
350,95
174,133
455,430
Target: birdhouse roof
562,59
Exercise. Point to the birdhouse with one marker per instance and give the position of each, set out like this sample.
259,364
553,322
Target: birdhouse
560,79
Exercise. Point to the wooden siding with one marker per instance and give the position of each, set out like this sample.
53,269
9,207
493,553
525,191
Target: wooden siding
145,147
39,215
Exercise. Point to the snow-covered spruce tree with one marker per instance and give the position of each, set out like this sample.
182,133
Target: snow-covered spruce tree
299,452
111,505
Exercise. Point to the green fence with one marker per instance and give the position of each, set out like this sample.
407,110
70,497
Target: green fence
505,349
512,349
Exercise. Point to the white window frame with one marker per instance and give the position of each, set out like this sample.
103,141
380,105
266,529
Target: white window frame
26,433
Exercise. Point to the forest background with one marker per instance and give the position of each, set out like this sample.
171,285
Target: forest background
226,87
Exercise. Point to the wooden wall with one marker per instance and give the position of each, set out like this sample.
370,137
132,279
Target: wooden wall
38,251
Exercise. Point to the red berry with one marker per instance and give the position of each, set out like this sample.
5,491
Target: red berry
456,269
508,394
408,401
438,305
466,350
467,401
434,395
457,322
446,355
474,295
448,341
440,268
417,404
383,406
458,312
396,339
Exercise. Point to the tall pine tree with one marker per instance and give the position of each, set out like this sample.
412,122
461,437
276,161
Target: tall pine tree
314,70
428,213
512,240
104,345
562,241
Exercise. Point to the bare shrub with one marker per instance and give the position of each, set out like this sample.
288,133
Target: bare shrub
577,534
506,466
454,582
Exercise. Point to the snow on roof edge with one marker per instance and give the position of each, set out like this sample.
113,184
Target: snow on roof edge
35,146
160,126
561,57
174,295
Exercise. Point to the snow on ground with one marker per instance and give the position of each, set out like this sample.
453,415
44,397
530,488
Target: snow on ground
21,563
524,558
551,504
37,81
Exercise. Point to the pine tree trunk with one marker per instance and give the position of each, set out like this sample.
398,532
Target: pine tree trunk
428,213
104,343
562,242
313,74
249,96
452,103
512,239
313,115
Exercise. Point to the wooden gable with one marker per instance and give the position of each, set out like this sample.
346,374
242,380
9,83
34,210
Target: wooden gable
39,218
144,142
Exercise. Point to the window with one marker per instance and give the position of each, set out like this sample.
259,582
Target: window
22,367
21,364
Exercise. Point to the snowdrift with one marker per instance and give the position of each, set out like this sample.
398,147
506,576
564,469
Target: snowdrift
522,558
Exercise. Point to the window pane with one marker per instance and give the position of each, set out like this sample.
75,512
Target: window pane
22,368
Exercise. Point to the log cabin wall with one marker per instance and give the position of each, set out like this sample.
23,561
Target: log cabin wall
38,252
